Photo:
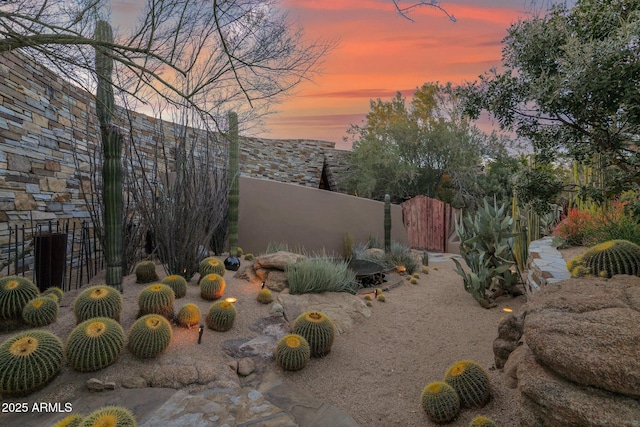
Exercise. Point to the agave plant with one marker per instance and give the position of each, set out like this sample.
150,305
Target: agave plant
485,245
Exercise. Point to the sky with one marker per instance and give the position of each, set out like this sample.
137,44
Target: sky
380,53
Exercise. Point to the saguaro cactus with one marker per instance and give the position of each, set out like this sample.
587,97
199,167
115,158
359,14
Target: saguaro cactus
233,262
387,223
112,163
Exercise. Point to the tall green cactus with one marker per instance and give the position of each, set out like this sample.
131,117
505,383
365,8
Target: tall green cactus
387,223
112,153
234,184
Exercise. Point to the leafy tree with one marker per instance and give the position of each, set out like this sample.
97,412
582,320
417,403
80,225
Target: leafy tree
569,83
425,147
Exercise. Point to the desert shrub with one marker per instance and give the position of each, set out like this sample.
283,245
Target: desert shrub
614,222
401,255
321,274
574,227
274,247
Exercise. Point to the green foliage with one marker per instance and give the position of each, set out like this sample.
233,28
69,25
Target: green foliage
485,240
317,329
149,336
425,258
607,259
54,292
98,301
265,296
73,420
321,274
94,344
188,316
211,265
212,287
347,246
471,382
177,283
274,247
221,316
440,402
40,311
292,352
482,421
28,362
405,150
116,416
156,299
15,293
146,272
568,83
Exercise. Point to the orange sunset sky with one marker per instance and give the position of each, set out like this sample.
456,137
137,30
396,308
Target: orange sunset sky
380,53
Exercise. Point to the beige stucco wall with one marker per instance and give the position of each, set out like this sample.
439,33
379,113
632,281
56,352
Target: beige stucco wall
310,218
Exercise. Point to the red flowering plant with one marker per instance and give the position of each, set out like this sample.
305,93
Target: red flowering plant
575,227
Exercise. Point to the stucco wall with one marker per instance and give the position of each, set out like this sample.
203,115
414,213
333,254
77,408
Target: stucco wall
310,218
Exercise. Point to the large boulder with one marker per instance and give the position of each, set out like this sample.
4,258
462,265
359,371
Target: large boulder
547,400
278,260
586,330
343,308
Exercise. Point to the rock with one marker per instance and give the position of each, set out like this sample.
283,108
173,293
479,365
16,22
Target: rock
275,326
94,384
134,382
511,366
109,386
276,280
374,253
586,330
246,366
547,400
343,308
233,364
278,260
276,308
509,333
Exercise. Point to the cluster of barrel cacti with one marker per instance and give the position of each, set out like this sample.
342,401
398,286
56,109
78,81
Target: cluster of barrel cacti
177,283
146,272
607,259
53,292
28,362
73,420
149,336
98,301
317,329
212,286
116,416
221,316
156,299
465,385
95,344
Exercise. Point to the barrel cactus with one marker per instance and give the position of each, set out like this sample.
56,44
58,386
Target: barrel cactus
212,286
40,311
156,299
249,257
610,258
73,420
15,293
188,316
471,382
211,265
28,362
149,336
115,416
146,272
292,352
94,344
265,296
177,283
221,316
53,292
440,402
98,301
481,421
317,329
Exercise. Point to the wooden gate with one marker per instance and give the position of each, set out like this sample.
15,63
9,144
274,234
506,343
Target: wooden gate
429,223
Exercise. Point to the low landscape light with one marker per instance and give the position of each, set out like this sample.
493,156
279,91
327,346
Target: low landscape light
200,331
231,300
507,310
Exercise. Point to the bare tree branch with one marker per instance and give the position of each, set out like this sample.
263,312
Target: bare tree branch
404,11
